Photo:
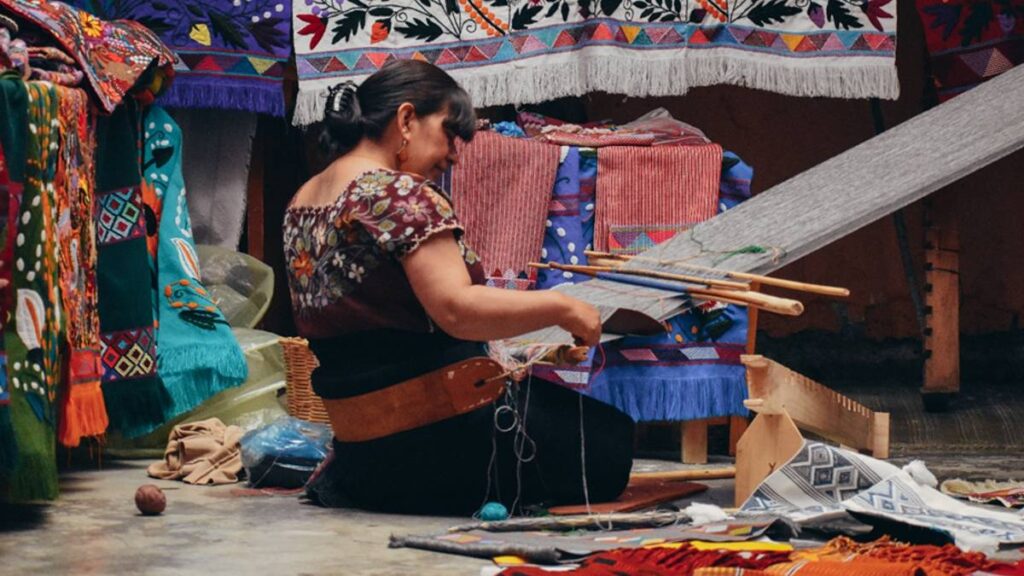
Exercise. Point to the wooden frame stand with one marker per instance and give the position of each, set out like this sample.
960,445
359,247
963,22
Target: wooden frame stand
786,402
942,303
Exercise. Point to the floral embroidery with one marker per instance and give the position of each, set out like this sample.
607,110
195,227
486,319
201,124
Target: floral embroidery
382,216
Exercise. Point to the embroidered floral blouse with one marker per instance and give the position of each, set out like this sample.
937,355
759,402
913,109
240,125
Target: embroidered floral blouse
344,258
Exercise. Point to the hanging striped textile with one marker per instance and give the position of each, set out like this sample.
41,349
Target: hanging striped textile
501,187
670,186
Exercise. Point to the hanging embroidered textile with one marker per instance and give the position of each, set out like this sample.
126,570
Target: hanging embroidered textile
230,54
662,189
970,42
822,480
514,51
197,354
501,187
136,399
113,55
83,412
31,337
10,194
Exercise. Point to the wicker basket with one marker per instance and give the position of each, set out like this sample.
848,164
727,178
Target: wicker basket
299,363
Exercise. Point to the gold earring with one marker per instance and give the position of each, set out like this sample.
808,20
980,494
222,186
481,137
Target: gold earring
403,153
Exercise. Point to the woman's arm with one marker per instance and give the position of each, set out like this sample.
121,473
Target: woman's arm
439,278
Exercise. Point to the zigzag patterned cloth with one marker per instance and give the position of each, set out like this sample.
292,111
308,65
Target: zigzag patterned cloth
136,398
230,54
822,480
971,41
513,51
500,188
667,186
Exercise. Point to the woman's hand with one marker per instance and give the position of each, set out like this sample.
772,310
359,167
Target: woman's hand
583,321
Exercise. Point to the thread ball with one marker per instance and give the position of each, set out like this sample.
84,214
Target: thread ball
150,500
493,512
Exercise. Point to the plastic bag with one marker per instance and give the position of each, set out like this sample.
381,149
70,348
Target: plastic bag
284,453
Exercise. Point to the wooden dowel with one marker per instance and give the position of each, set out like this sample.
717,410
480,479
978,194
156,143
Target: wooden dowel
712,282
834,291
784,306
699,474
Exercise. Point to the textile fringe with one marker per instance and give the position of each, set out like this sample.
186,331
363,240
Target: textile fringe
653,399
601,69
189,93
226,368
84,414
8,447
36,479
136,406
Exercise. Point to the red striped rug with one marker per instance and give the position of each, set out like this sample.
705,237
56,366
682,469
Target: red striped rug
664,185
501,187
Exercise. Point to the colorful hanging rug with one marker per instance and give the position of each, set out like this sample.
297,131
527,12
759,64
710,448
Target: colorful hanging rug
518,51
113,55
230,54
136,399
197,354
501,187
822,481
971,41
32,336
83,412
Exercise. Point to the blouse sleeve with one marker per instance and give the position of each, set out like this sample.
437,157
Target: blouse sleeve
400,211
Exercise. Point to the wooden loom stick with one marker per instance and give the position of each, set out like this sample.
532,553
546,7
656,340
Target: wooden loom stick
697,474
765,302
615,266
834,291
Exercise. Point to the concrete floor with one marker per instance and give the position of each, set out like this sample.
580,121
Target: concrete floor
95,529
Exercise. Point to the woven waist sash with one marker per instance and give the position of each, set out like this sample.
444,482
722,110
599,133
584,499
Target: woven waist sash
435,396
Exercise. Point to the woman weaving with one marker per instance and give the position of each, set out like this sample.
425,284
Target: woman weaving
389,295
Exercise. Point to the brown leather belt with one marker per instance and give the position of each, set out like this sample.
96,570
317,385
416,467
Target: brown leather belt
435,396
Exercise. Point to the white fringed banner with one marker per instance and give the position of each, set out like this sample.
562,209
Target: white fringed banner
523,51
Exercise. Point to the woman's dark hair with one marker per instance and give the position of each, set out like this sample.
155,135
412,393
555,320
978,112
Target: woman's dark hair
365,111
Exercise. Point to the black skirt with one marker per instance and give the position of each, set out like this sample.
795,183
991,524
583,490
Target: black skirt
527,446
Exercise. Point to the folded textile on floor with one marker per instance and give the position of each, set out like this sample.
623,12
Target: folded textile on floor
205,452
656,561
822,480
500,188
512,53
970,42
113,55
231,55
551,547
1009,493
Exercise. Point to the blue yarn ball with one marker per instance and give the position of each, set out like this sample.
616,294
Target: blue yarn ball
492,512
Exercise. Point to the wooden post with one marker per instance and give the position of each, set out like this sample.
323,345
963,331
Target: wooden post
942,302
771,441
738,424
254,207
737,427
695,442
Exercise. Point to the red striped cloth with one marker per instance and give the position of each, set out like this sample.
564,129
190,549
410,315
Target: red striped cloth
501,187
664,185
